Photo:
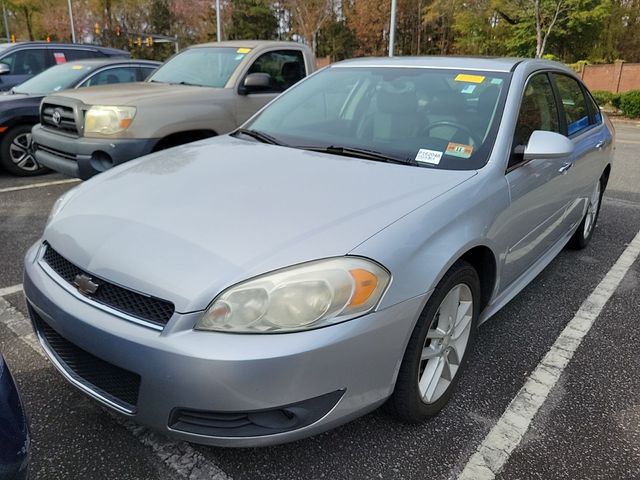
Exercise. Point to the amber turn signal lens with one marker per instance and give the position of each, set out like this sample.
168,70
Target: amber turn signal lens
365,284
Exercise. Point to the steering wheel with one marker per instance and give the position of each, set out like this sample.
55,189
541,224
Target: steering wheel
459,127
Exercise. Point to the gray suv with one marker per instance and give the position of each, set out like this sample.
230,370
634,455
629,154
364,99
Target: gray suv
21,61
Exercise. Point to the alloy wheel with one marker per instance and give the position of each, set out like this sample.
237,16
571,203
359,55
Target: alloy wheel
446,343
21,154
592,211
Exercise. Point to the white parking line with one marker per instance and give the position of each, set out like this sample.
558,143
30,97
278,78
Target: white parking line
494,452
39,185
10,290
180,457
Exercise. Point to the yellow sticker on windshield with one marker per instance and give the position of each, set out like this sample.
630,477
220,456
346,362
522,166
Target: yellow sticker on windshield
243,50
464,77
76,67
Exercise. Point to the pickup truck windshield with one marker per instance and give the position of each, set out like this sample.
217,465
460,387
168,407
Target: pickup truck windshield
201,66
437,118
54,79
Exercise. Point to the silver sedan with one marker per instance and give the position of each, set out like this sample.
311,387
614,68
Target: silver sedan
334,254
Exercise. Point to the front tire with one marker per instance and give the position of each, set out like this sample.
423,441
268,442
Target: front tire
16,156
582,236
437,351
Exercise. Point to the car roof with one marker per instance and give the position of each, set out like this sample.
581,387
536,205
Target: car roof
249,44
494,64
7,46
101,62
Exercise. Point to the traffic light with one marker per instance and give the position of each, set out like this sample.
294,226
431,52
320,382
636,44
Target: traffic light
139,41
13,38
48,39
149,41
97,28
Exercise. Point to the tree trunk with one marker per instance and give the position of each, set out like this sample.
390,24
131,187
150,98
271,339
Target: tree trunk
28,21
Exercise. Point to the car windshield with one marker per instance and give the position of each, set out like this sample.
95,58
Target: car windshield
54,79
202,66
442,118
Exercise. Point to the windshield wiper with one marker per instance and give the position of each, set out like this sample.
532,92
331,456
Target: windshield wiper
362,153
258,135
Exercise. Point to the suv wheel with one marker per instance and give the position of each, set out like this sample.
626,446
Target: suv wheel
16,156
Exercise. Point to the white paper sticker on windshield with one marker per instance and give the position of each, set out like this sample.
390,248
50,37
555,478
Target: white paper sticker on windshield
428,156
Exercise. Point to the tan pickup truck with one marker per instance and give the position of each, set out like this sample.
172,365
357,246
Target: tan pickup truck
203,91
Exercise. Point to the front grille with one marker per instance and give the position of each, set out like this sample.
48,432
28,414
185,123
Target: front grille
113,383
67,118
141,306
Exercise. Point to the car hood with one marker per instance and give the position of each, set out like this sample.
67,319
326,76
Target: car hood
138,94
185,223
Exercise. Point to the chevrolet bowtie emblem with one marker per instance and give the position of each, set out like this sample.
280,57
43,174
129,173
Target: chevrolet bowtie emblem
85,284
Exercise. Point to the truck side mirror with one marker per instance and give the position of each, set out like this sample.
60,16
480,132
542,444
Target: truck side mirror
4,69
255,82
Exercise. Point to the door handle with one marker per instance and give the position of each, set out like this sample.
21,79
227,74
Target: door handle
565,167
601,144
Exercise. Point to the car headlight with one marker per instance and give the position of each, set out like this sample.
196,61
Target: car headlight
108,120
61,202
301,297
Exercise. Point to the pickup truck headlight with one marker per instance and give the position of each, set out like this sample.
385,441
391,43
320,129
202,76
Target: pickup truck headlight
301,297
108,120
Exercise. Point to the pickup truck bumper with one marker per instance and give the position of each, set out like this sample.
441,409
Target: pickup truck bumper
85,157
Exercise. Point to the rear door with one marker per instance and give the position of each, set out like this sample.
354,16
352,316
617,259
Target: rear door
582,122
535,217
286,67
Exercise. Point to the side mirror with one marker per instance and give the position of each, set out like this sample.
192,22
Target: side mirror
544,144
255,82
4,69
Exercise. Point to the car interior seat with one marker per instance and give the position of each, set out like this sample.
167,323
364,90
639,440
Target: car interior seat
394,116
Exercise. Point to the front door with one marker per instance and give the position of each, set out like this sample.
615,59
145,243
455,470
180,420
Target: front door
535,218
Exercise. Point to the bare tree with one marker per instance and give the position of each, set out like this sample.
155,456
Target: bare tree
308,17
547,15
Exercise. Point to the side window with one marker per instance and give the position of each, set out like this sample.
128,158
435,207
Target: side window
595,110
538,111
144,72
111,76
26,62
573,101
286,67
72,54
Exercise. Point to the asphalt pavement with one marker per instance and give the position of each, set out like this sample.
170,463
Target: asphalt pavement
588,427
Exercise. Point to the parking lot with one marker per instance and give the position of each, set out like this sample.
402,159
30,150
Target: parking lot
587,427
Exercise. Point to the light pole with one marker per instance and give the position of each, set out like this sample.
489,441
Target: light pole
73,28
392,27
6,21
218,22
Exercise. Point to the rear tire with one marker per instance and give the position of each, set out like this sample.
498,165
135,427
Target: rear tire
423,388
583,234
16,156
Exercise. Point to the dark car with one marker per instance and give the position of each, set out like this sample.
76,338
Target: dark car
21,61
14,431
19,108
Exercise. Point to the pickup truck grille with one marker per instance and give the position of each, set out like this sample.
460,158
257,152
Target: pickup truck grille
67,121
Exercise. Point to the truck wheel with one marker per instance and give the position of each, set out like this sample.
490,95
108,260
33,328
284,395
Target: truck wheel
16,156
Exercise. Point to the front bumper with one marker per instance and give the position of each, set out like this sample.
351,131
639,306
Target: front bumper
219,373
84,157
